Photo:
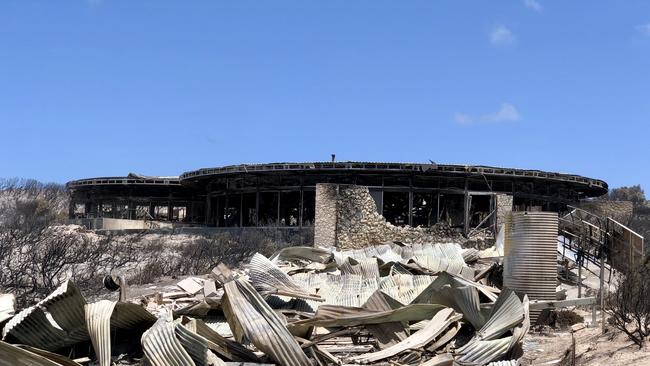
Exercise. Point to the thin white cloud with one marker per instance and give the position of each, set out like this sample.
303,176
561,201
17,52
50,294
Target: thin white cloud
463,119
502,36
534,5
644,29
506,113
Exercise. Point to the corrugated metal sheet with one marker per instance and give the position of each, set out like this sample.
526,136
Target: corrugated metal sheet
319,255
445,359
98,318
439,257
219,324
352,289
389,333
366,268
431,294
438,324
434,257
225,348
56,322
250,317
384,252
531,255
482,352
269,279
104,316
161,346
504,363
508,313
343,316
405,288
195,345
59,359
14,356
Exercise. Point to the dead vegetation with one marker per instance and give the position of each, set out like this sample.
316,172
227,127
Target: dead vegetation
629,305
38,253
162,256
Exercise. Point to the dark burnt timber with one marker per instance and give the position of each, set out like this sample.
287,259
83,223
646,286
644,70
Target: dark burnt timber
282,195
132,197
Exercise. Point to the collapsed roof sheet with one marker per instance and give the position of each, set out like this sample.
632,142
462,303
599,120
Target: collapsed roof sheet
55,322
251,318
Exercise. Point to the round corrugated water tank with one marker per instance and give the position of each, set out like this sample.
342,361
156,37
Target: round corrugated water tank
530,249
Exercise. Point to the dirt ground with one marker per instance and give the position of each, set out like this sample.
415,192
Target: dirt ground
591,348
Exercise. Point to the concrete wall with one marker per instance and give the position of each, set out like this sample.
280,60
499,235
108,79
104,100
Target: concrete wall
347,217
302,236
104,223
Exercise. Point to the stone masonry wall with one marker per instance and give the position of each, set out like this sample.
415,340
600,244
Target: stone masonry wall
504,206
326,211
357,222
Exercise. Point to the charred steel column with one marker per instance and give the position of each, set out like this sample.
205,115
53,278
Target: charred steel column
530,256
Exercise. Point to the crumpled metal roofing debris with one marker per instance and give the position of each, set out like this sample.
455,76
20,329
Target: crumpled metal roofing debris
440,257
509,313
386,333
55,322
342,316
11,355
105,316
226,348
269,279
436,325
385,303
318,255
252,319
162,347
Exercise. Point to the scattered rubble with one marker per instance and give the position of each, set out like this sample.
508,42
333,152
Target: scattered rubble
387,304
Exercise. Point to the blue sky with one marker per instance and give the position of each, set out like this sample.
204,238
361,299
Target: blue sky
107,87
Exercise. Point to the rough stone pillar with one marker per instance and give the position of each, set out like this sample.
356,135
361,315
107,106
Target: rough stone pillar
504,206
325,221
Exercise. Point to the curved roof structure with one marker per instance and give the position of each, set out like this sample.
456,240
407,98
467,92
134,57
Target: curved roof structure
590,186
131,179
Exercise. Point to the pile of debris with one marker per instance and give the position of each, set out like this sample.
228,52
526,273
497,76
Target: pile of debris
389,304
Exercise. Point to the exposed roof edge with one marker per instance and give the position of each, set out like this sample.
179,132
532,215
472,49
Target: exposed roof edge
392,167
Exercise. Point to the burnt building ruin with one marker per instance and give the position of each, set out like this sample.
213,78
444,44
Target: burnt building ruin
283,195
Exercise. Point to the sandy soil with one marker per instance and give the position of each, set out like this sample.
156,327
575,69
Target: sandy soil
591,348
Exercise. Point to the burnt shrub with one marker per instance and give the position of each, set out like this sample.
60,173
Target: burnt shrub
200,255
629,305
